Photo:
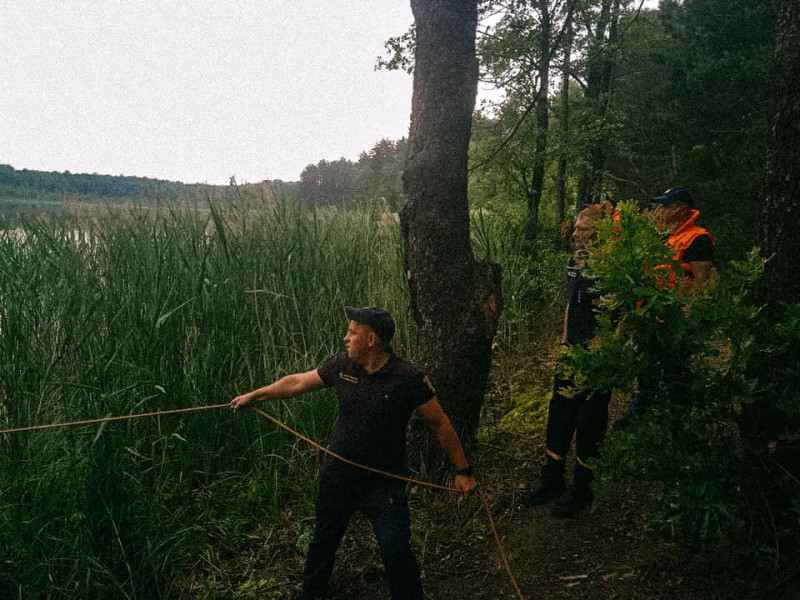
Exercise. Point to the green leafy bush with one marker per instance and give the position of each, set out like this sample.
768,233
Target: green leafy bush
706,361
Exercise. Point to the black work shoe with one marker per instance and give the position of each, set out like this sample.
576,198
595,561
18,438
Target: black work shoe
573,501
546,492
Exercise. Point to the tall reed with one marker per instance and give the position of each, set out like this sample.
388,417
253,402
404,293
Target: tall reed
134,312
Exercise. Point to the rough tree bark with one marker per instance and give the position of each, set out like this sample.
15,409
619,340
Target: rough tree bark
455,299
780,241
765,420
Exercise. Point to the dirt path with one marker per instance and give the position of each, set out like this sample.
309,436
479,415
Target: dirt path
601,554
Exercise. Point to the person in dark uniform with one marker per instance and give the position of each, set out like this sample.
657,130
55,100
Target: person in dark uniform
377,393
582,414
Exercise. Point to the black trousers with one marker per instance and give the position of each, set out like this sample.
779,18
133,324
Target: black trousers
385,504
579,414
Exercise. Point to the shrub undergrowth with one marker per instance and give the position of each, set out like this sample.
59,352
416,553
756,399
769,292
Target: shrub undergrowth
706,362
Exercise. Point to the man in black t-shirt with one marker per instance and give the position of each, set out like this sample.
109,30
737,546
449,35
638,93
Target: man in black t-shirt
377,394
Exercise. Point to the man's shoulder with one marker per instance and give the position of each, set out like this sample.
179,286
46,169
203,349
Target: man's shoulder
412,377
699,231
701,248
403,366
333,366
338,359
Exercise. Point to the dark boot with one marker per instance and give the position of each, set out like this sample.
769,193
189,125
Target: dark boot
579,497
575,500
551,485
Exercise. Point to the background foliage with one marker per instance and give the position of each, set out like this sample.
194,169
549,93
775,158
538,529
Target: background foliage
699,359
189,302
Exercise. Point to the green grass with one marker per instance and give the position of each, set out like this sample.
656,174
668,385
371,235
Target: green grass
135,312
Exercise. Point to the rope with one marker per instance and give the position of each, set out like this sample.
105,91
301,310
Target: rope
119,418
485,502
500,547
316,445
319,446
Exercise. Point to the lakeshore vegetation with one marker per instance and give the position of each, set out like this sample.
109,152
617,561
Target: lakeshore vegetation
159,300
131,313
137,311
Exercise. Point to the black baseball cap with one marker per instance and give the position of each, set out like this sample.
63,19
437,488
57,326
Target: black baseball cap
676,194
377,318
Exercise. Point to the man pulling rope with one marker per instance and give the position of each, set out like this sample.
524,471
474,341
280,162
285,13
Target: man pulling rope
389,370
377,394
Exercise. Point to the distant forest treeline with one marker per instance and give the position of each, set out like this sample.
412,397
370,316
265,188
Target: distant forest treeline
27,183
376,175
607,101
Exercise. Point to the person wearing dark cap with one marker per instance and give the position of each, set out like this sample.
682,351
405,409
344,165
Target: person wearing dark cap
692,244
377,393
694,249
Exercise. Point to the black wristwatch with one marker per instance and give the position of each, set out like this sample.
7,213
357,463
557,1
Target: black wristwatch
467,471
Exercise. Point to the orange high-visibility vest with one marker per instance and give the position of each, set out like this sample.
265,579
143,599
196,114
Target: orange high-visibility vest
684,236
680,241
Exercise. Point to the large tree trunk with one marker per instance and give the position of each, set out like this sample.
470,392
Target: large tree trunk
450,292
765,419
780,241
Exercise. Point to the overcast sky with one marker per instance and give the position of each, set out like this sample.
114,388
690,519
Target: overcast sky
197,90
200,90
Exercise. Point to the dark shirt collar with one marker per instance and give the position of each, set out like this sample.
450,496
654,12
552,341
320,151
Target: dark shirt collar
389,367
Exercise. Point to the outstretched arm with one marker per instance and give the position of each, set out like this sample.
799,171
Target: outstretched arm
285,387
437,420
